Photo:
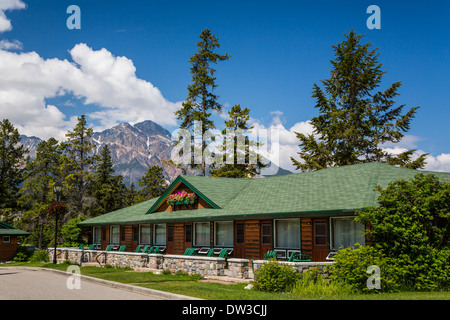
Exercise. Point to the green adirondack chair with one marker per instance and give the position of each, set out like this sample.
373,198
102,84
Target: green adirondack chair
109,247
271,254
91,247
122,248
299,257
138,249
223,253
156,250
210,252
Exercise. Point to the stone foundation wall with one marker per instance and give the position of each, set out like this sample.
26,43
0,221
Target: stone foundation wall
299,266
205,266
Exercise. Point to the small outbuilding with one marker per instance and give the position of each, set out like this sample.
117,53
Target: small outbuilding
9,241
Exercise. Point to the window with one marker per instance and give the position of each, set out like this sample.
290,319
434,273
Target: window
201,234
145,234
346,232
122,233
224,234
115,233
170,230
6,239
240,234
188,233
96,235
287,233
159,236
320,233
266,233
135,233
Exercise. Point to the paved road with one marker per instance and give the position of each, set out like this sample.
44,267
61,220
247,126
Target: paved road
38,284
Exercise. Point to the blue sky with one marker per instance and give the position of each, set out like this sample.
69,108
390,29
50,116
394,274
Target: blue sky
279,50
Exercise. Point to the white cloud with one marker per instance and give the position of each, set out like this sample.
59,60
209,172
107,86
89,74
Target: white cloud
11,45
5,24
281,151
98,77
438,163
287,146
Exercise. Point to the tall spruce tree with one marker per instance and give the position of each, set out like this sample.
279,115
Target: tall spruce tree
36,192
77,161
242,152
12,163
107,189
201,100
354,119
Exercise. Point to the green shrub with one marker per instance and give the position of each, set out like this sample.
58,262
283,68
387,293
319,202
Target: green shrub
314,284
20,257
40,256
23,254
351,267
275,277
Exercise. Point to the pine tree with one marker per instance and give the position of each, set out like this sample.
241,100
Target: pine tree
36,193
355,120
243,151
77,161
201,100
12,163
152,184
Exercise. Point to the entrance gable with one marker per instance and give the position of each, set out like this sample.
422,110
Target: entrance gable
181,185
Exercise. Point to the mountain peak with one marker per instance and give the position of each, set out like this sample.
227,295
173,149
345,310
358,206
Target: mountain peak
152,128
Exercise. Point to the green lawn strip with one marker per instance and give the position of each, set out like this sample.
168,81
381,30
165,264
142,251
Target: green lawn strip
188,285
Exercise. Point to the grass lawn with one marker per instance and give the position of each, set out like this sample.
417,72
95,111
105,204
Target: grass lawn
190,286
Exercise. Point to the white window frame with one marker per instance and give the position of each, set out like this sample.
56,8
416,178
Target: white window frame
275,236
149,233
96,237
231,243
332,231
6,239
112,235
195,234
155,234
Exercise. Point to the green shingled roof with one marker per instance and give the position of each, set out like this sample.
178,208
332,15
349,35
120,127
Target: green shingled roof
333,191
7,230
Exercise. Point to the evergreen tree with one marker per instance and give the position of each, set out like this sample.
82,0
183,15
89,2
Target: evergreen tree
76,163
36,192
12,163
131,195
355,121
107,189
152,184
243,151
201,100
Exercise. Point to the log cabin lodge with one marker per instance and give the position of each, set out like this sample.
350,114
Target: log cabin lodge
311,213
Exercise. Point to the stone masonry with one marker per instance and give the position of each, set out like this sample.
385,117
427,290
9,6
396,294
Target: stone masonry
205,266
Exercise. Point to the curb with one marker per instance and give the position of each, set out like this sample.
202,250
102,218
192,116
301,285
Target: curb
112,284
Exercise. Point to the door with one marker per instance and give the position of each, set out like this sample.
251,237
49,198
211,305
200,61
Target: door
105,237
239,239
320,248
170,247
266,236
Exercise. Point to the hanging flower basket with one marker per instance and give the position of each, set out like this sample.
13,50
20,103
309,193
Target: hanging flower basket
181,198
56,208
